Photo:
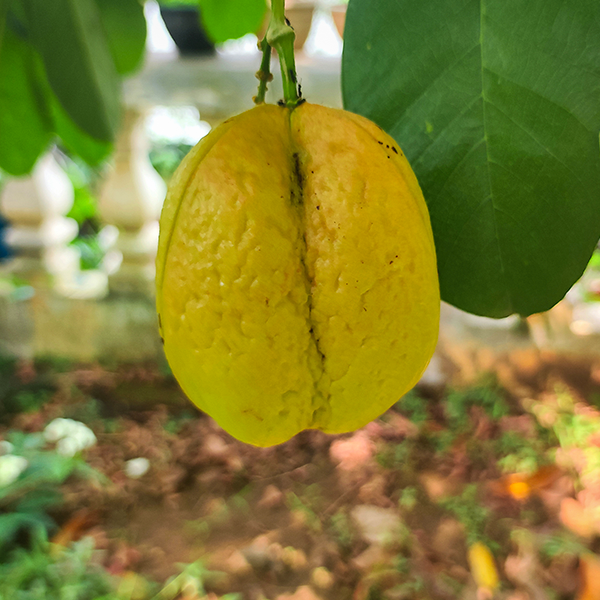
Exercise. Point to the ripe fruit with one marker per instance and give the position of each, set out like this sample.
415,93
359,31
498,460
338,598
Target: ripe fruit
296,273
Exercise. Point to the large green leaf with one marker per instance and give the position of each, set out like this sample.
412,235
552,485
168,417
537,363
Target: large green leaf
497,106
24,126
231,19
3,12
80,68
74,139
125,27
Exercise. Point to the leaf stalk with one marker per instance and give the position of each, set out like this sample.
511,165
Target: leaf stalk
280,35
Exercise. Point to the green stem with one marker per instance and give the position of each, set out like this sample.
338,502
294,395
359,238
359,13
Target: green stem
281,36
264,75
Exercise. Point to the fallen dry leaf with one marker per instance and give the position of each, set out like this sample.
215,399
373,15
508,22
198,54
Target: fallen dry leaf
75,528
520,485
580,519
589,573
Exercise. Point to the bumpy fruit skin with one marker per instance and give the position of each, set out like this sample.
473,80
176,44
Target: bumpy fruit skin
296,273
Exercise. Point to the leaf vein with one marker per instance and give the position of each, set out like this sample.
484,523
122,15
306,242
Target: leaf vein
438,135
487,150
534,138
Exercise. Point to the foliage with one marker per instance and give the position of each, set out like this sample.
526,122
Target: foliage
17,396
225,19
397,456
60,75
90,250
47,572
472,513
342,529
519,454
561,543
178,3
165,157
458,403
497,114
62,65
191,582
495,105
312,519
413,407
408,498
85,212
27,500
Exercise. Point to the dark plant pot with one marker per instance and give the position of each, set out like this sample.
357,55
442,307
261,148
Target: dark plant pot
184,26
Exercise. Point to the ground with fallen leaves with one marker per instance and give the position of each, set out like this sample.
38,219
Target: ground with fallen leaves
474,486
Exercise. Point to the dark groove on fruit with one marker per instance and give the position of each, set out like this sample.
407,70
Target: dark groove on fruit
298,178
297,199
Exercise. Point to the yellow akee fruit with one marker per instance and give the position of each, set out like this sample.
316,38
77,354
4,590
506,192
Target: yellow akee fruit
296,274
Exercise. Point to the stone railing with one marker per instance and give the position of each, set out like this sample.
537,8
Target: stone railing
56,309
47,304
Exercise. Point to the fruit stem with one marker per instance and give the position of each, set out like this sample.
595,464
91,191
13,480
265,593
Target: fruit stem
264,74
280,36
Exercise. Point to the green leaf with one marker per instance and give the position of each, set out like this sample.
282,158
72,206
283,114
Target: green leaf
125,27
49,467
70,37
3,13
39,500
74,139
231,19
24,126
495,103
12,523
16,11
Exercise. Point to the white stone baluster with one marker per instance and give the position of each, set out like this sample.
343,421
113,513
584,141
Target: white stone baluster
39,232
131,200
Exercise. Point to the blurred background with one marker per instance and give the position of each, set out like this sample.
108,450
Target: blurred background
482,482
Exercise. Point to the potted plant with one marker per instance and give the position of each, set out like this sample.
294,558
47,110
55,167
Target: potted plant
182,19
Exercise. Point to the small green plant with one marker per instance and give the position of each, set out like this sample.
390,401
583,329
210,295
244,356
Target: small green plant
342,529
457,407
408,498
18,397
459,402
408,588
312,519
30,479
47,572
396,456
174,424
192,583
473,515
518,454
442,440
413,407
561,543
